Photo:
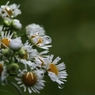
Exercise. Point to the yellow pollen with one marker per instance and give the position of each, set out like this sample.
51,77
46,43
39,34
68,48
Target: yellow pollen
53,68
1,68
8,11
29,79
5,42
39,41
33,36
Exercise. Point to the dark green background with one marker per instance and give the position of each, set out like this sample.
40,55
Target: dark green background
71,25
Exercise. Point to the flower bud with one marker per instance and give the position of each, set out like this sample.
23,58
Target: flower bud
22,52
15,34
7,23
6,52
13,68
16,24
15,44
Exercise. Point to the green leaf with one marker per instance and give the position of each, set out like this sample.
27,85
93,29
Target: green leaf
4,92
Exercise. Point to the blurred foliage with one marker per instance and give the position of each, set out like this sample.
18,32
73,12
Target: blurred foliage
71,25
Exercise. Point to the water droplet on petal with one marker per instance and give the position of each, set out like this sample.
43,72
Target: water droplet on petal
47,39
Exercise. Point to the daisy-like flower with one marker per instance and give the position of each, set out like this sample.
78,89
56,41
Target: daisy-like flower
40,58
9,11
26,63
56,72
42,41
27,52
33,66
37,36
3,71
5,39
31,80
33,30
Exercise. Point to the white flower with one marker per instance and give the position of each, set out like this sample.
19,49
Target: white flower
42,41
40,58
29,52
32,55
31,80
37,54
33,30
16,24
9,11
28,63
15,44
56,71
3,71
5,39
37,36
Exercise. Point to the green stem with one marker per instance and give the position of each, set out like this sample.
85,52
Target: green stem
17,88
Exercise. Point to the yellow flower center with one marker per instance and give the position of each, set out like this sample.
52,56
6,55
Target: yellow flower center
5,42
29,79
39,41
53,68
1,68
7,9
33,36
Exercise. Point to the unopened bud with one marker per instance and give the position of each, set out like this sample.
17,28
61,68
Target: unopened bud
7,23
13,69
16,24
6,52
22,52
15,44
15,34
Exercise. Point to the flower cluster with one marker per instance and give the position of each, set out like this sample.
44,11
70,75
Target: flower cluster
28,61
